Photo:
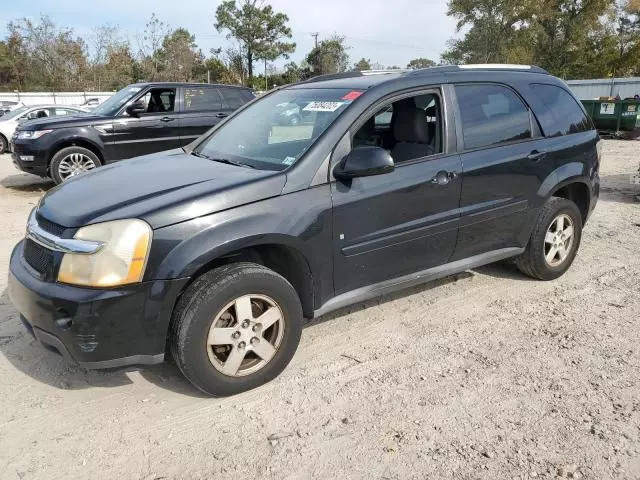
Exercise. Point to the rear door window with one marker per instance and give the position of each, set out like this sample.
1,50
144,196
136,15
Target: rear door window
63,111
558,112
492,115
232,98
201,99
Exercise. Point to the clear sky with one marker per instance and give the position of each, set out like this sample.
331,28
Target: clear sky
390,32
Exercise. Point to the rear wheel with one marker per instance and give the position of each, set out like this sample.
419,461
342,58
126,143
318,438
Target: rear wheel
71,162
235,328
554,242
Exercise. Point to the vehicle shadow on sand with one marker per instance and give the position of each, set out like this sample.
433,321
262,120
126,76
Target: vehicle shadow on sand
618,188
25,182
24,352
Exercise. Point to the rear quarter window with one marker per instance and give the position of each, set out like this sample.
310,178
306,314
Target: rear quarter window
201,99
491,115
233,97
558,111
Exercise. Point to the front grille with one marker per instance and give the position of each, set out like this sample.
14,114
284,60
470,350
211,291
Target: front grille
38,257
48,226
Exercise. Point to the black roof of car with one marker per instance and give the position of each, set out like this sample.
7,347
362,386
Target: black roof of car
367,79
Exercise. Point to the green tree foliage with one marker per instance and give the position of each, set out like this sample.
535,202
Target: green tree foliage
261,32
13,62
53,57
363,64
330,56
420,63
570,38
178,56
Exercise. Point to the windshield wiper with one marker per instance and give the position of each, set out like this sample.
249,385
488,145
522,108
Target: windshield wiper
221,160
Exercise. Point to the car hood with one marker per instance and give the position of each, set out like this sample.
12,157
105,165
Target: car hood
62,121
163,189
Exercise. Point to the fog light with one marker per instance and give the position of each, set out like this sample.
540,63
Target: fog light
26,158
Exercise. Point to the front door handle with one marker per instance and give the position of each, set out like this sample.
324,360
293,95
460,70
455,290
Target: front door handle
443,177
536,156
221,115
167,119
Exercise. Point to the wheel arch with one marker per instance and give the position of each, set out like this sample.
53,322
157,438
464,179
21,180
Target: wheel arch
578,192
78,142
277,252
572,182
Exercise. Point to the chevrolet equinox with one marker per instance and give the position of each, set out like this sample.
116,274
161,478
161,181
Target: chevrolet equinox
217,253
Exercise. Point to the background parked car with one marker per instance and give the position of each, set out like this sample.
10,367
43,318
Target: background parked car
90,104
140,119
11,120
8,105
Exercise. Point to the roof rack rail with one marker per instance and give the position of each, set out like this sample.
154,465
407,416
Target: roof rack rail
502,66
360,73
384,71
332,76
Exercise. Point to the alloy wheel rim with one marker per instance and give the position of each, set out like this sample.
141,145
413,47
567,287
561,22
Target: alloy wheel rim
558,240
245,335
74,164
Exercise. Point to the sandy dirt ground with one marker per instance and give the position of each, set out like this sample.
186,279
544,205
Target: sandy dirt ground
484,375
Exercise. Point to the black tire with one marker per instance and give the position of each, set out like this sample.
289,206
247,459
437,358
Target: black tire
4,145
532,262
197,309
54,166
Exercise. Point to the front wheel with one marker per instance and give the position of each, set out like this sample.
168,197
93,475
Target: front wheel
554,242
71,162
236,328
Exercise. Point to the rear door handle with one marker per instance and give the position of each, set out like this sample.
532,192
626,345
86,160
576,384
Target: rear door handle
167,119
443,178
536,156
221,115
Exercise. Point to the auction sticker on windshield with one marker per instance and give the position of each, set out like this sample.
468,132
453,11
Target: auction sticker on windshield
323,106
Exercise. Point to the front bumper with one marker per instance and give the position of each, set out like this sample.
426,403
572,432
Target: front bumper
40,163
96,328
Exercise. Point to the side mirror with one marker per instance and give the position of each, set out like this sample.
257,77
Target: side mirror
135,109
364,162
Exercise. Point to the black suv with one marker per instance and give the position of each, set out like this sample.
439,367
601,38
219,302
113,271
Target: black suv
220,252
139,119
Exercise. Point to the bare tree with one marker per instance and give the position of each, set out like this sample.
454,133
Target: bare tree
149,45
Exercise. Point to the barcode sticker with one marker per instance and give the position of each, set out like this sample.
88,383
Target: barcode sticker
323,106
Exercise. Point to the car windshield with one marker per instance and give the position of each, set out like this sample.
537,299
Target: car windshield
114,103
14,113
276,131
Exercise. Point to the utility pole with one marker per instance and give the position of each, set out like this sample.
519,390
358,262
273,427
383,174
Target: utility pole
266,84
315,36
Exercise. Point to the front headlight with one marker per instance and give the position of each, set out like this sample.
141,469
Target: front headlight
32,134
120,261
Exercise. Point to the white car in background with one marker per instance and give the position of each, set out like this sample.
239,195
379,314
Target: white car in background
90,103
8,105
10,121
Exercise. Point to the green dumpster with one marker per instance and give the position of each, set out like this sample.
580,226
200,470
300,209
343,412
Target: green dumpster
614,117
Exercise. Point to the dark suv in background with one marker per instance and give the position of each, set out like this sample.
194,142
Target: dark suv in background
221,251
139,119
